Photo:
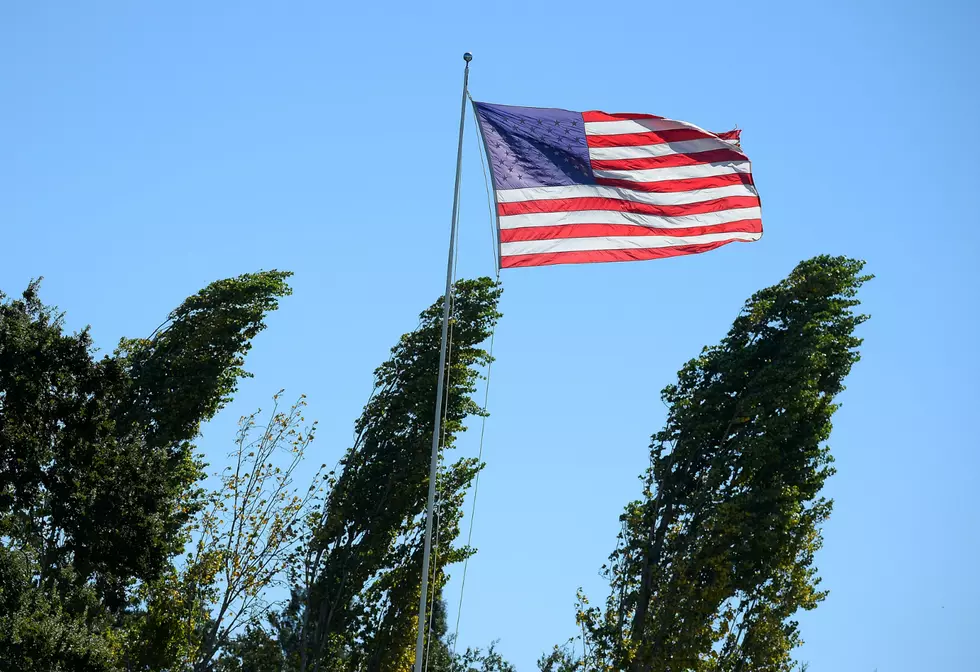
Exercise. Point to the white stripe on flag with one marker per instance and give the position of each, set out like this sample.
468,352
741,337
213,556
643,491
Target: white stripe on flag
617,243
678,172
621,194
635,126
628,218
663,149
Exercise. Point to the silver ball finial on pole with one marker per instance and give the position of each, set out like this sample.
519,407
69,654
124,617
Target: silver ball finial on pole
467,57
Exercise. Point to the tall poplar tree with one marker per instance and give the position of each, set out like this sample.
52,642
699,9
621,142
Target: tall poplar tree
357,589
717,557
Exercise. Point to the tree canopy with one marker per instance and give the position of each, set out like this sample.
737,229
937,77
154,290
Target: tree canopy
114,557
97,467
359,585
717,557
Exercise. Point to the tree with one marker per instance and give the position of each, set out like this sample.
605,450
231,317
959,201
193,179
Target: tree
562,659
255,650
717,557
255,546
478,660
246,536
356,590
97,468
49,631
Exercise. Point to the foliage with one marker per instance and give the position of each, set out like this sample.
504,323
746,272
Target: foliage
255,650
234,562
247,534
100,494
717,557
49,630
478,660
97,471
561,659
357,588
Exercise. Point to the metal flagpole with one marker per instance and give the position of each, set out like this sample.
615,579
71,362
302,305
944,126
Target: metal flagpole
440,381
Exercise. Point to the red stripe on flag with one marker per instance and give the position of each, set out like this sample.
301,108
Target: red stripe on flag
615,230
669,160
597,203
648,138
670,186
596,115
593,256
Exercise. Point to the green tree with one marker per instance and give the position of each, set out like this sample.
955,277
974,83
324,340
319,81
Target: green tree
254,650
97,469
245,537
356,590
61,629
479,660
249,533
562,659
717,557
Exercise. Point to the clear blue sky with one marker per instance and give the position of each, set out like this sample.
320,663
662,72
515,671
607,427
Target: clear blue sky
149,148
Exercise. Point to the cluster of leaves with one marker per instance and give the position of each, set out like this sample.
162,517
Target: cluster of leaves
98,476
717,557
59,629
357,588
247,535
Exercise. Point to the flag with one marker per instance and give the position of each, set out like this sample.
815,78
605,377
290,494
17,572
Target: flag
581,187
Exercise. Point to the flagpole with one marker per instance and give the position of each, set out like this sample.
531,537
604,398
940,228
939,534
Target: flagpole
440,381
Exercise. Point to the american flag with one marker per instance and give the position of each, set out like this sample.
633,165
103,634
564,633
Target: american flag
580,187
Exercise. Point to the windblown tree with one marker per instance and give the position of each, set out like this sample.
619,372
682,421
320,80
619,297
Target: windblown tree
97,467
715,560
244,539
357,588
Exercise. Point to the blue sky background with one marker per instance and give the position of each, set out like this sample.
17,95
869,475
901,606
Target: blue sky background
150,148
